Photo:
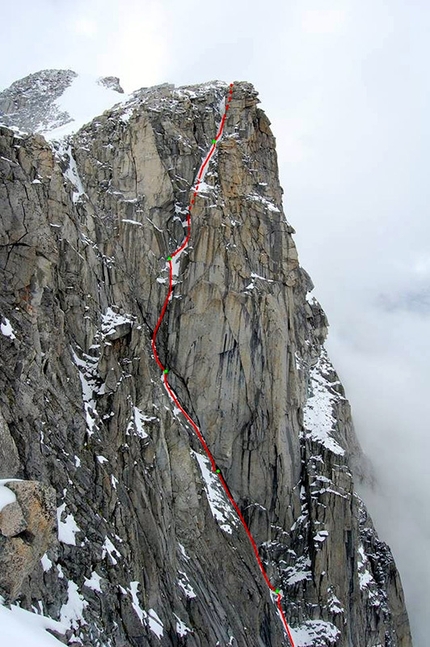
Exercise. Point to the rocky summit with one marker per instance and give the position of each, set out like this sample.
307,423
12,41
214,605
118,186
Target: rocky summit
114,528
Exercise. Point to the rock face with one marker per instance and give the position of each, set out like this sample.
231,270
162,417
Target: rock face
27,529
150,551
29,104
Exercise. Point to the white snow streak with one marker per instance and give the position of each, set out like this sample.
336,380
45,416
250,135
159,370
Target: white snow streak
141,614
72,612
318,418
219,505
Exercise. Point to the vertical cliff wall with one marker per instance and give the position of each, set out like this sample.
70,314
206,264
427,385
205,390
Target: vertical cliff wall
149,550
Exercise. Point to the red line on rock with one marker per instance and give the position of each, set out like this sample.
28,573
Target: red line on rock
173,395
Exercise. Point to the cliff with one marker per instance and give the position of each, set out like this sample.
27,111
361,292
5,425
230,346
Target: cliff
149,549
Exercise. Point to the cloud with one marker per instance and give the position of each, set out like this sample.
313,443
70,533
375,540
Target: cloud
323,21
85,27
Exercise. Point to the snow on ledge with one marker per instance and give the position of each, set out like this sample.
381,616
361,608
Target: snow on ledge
311,630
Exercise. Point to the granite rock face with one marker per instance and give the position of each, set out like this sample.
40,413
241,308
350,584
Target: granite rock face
27,529
147,540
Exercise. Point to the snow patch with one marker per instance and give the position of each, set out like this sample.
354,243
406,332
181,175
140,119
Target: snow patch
72,612
46,563
131,222
68,528
71,173
112,320
318,418
219,504
6,495
300,572
141,614
263,278
94,582
87,369
109,549
136,423
183,551
321,536
181,627
155,624
83,100
185,585
315,630
259,198
365,575
6,329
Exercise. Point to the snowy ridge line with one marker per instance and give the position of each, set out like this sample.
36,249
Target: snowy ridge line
172,260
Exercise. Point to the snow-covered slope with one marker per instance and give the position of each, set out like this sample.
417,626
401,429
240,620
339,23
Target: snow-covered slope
57,103
20,627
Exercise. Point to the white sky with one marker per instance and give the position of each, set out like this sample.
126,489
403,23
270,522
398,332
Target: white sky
346,86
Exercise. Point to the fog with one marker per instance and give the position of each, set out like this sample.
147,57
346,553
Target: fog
346,87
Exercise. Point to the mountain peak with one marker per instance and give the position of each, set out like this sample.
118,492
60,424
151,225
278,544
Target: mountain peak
57,102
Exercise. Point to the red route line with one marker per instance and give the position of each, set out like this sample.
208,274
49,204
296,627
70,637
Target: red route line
173,395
